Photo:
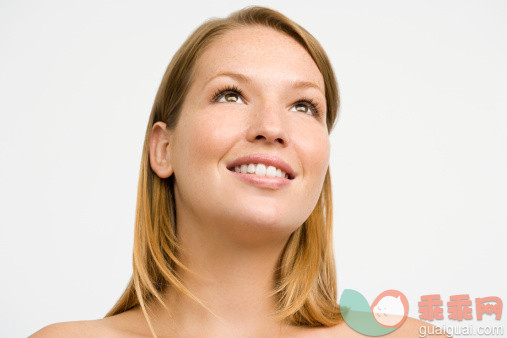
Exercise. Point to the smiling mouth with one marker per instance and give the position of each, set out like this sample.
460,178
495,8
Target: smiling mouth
260,170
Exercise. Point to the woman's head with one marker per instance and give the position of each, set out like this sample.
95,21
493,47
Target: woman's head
255,92
252,83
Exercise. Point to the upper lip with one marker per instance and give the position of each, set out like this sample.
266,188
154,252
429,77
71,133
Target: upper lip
266,159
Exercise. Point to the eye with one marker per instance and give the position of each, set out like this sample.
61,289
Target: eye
228,94
230,97
307,106
302,108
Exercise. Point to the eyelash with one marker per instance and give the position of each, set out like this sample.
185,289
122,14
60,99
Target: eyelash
313,106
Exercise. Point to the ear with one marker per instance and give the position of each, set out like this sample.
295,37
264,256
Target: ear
160,150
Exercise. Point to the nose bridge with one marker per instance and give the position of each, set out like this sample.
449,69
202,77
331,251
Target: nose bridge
267,122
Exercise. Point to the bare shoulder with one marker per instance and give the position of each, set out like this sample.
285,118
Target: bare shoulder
85,328
411,328
417,328
340,330
127,324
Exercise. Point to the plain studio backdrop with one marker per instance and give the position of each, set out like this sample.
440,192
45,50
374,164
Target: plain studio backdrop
418,163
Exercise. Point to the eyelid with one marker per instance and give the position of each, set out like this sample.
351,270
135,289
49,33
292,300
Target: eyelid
227,90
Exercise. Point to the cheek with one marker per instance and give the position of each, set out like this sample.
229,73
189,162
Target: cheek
314,149
315,152
202,143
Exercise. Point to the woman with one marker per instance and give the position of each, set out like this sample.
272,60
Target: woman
233,230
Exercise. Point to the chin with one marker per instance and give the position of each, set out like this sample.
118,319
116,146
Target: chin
268,223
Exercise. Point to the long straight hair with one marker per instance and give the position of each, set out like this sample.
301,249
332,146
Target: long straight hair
305,279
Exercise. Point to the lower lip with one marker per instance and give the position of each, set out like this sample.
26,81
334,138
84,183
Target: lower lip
263,181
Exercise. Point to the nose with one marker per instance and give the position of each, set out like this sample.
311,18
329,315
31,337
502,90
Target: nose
267,125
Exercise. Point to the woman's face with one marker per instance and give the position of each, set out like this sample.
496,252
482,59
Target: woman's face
253,93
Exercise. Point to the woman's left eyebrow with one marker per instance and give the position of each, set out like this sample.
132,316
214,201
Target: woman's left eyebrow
305,84
297,84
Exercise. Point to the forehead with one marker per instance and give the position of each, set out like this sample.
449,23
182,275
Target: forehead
260,53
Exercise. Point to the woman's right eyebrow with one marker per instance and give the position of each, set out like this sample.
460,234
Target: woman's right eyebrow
237,76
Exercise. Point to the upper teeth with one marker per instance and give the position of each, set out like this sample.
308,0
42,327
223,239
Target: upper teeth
260,169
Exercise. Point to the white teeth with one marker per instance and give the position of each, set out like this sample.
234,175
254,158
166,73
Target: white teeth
271,171
251,168
261,170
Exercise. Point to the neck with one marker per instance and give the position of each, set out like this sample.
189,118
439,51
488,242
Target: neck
232,278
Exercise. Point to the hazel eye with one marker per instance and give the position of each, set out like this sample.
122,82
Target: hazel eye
307,106
302,108
230,97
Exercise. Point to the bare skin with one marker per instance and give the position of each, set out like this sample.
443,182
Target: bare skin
132,324
232,233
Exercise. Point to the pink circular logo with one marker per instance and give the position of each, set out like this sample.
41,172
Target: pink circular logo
390,308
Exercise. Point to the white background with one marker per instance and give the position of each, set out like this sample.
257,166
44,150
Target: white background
419,155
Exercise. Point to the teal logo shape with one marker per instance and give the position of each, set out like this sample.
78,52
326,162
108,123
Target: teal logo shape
386,314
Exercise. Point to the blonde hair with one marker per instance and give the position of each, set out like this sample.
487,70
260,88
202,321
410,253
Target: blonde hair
305,288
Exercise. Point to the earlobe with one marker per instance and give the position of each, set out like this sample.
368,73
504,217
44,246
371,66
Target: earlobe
160,154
